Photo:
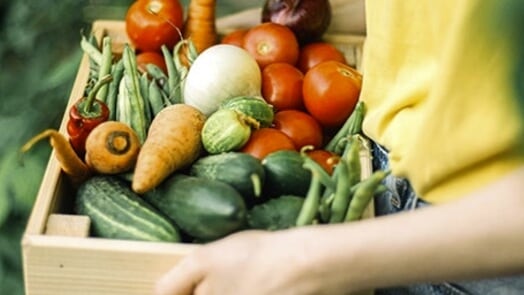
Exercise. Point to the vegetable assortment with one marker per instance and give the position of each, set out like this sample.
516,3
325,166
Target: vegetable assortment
208,136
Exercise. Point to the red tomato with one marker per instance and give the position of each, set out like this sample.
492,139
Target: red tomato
301,127
326,159
235,37
153,23
314,53
271,42
150,57
264,141
331,90
282,86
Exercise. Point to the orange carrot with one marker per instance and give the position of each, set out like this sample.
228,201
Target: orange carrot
173,142
71,164
112,147
200,24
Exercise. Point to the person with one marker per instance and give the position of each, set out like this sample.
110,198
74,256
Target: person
444,90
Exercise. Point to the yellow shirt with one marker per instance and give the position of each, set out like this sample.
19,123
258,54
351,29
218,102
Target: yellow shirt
440,88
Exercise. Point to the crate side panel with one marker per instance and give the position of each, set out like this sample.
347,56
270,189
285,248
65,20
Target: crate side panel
62,265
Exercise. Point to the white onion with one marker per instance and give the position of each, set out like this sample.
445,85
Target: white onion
220,72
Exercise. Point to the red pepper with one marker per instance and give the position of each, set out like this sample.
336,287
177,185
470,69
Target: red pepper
87,113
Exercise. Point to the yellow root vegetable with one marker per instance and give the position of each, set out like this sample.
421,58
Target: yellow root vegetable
112,147
71,164
173,143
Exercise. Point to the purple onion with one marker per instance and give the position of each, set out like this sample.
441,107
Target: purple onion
308,19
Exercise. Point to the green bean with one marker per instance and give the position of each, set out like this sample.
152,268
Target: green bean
309,209
360,112
117,71
123,109
353,125
144,90
327,197
324,209
352,157
93,72
177,53
155,98
105,67
91,50
159,76
381,189
179,91
192,52
139,122
94,67
364,193
342,194
325,178
172,75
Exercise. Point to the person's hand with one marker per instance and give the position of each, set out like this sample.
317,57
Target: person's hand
250,262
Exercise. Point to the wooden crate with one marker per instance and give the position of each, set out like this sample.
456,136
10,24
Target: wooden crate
59,257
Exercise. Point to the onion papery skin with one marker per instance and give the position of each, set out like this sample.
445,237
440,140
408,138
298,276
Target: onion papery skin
308,19
220,72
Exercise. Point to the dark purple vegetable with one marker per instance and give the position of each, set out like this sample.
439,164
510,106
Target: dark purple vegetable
308,19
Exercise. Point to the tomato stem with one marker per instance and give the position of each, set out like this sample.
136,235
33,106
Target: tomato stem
349,73
263,48
91,97
154,7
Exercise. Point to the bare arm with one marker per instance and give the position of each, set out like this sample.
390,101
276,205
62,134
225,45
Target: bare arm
480,235
477,236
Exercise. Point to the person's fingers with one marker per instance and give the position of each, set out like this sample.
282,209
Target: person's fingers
182,279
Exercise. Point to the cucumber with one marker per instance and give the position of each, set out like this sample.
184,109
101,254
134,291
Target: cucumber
240,170
117,212
252,106
225,131
285,174
275,214
204,209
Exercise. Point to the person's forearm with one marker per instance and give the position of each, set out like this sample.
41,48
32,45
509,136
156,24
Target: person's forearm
471,238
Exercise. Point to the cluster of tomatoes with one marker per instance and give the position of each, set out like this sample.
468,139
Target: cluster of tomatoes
311,87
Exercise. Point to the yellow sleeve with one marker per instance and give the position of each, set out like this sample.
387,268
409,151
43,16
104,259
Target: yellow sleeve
441,92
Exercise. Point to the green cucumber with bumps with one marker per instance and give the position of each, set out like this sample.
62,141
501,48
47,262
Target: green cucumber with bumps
204,209
225,130
241,170
251,106
117,212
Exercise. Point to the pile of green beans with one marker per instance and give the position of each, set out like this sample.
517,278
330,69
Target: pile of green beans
132,97
344,195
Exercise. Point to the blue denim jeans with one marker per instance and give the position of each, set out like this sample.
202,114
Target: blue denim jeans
400,197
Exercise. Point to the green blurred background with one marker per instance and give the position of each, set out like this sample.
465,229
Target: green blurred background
39,57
